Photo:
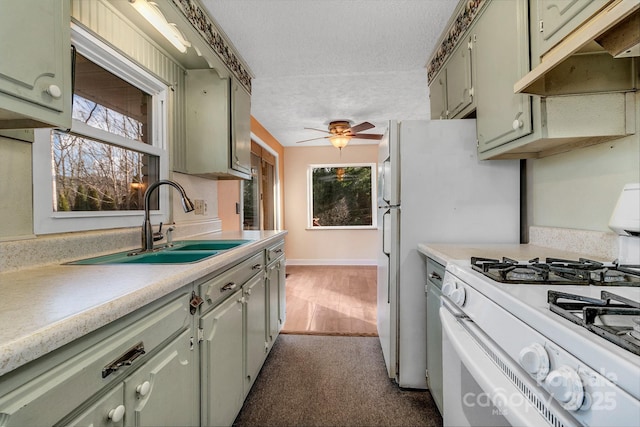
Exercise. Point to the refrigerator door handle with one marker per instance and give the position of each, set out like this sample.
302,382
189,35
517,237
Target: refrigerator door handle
384,183
388,254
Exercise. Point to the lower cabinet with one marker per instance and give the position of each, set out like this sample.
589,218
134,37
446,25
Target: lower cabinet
255,307
141,399
221,362
165,364
122,374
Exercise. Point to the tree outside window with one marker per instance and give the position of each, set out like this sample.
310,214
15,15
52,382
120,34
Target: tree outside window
342,196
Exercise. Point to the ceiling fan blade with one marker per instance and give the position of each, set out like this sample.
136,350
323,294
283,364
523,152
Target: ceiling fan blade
319,130
362,126
312,139
367,136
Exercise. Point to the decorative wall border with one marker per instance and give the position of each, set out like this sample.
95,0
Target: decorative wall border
203,24
463,21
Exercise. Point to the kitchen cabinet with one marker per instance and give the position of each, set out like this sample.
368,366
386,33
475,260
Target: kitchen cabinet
557,18
221,362
233,334
451,93
35,71
255,333
218,144
435,275
502,57
276,278
99,375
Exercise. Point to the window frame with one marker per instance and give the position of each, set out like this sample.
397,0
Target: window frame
374,216
46,220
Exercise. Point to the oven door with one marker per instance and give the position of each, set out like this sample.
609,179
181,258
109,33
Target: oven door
476,392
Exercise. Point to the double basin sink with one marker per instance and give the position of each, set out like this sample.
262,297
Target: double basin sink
182,252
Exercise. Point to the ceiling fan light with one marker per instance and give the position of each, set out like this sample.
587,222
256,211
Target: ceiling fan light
339,141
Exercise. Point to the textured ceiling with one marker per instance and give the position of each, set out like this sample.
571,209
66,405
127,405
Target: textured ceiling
315,61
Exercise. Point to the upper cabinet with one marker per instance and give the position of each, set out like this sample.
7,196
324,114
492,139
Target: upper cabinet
35,70
558,18
501,58
587,101
218,143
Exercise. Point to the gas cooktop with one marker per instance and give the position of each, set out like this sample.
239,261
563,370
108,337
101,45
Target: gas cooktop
556,271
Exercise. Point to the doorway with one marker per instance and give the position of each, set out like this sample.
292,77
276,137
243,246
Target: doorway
259,196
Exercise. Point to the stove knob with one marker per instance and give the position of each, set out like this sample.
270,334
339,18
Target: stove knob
535,360
565,386
458,296
448,287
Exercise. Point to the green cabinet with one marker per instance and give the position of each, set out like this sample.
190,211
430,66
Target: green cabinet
221,362
35,65
255,332
502,58
435,275
558,18
451,92
97,377
218,126
276,282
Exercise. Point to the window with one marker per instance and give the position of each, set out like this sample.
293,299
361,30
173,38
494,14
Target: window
95,174
341,196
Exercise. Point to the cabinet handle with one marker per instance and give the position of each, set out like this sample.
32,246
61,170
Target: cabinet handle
116,414
125,360
143,388
228,287
435,276
54,91
257,267
278,251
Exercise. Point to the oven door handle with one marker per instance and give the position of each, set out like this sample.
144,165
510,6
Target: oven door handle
495,385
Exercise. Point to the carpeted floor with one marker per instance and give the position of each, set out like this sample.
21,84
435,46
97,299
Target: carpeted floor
311,380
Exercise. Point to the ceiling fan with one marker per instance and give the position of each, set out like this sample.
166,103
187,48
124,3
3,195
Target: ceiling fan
341,132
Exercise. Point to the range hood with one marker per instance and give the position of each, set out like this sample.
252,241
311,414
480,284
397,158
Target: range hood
616,29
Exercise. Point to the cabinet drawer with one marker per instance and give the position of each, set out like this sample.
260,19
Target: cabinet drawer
221,285
435,272
275,251
63,387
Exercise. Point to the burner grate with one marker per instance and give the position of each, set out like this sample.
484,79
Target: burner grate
612,317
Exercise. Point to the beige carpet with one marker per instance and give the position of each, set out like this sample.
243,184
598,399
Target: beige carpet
331,300
332,381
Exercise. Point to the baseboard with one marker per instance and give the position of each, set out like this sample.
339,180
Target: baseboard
331,261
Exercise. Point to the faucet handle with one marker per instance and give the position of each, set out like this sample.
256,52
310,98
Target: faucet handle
157,235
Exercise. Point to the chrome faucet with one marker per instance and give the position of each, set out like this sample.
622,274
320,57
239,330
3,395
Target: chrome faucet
147,231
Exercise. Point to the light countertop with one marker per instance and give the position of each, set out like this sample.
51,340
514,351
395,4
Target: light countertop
445,253
44,308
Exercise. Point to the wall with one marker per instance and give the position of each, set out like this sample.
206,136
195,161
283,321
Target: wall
229,191
16,210
579,189
329,247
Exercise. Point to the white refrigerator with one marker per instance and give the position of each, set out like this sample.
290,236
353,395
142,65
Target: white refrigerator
432,189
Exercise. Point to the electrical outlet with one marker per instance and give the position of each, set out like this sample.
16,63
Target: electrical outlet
201,207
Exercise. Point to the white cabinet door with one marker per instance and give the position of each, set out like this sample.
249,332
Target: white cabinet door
221,362
108,411
241,129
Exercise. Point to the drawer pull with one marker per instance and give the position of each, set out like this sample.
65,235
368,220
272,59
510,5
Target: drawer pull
256,267
435,276
117,414
228,287
125,360
278,251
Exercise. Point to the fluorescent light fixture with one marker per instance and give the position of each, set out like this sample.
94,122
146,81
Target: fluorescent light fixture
149,10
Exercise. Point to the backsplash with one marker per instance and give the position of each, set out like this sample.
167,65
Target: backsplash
596,243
